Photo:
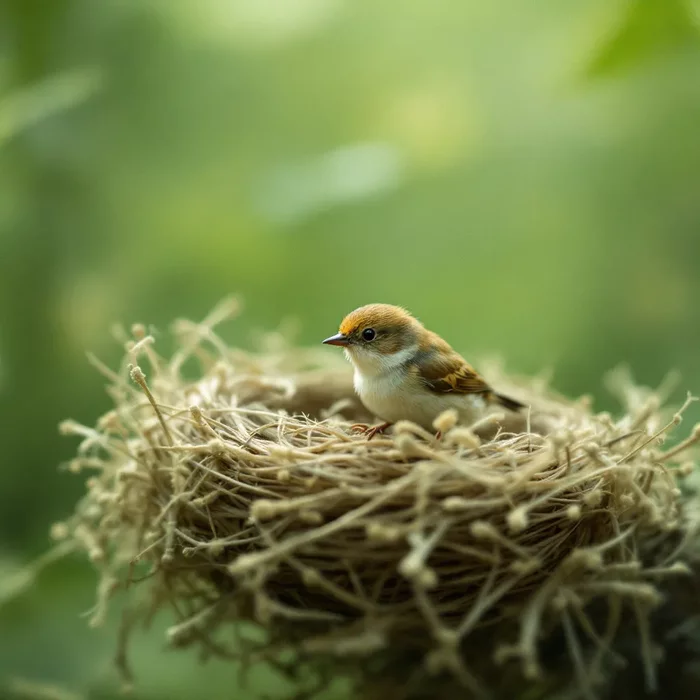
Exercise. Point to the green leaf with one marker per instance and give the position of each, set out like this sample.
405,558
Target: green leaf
649,28
42,100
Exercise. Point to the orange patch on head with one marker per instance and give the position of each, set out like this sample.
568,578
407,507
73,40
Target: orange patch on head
375,316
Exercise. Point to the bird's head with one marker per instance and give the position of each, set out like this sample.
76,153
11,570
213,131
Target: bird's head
378,337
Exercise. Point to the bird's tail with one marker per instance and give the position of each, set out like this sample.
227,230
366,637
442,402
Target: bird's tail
506,402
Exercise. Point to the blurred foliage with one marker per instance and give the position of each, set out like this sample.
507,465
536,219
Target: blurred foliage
648,28
315,155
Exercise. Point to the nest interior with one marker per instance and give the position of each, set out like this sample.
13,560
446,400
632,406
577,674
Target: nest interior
239,494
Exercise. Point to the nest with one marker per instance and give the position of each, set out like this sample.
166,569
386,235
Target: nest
227,486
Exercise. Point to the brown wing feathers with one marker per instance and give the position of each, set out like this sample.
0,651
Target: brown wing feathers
454,375
459,378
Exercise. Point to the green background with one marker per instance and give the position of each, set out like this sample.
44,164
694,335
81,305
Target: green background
523,176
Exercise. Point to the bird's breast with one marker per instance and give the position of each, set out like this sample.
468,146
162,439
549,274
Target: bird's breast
395,396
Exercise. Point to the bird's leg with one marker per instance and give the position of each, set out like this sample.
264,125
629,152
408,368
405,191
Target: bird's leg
369,431
438,435
377,429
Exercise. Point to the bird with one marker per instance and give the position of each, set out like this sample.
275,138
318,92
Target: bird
403,371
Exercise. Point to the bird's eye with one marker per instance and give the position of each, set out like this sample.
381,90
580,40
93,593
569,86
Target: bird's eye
368,334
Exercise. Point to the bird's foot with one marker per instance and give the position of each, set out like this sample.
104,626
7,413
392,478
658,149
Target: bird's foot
368,430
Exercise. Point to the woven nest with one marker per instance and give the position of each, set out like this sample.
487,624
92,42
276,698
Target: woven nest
411,565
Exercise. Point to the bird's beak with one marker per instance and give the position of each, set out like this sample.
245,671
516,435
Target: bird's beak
337,339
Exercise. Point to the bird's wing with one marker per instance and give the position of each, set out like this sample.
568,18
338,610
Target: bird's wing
459,379
448,372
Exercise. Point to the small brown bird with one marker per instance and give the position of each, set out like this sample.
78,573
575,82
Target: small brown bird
404,371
